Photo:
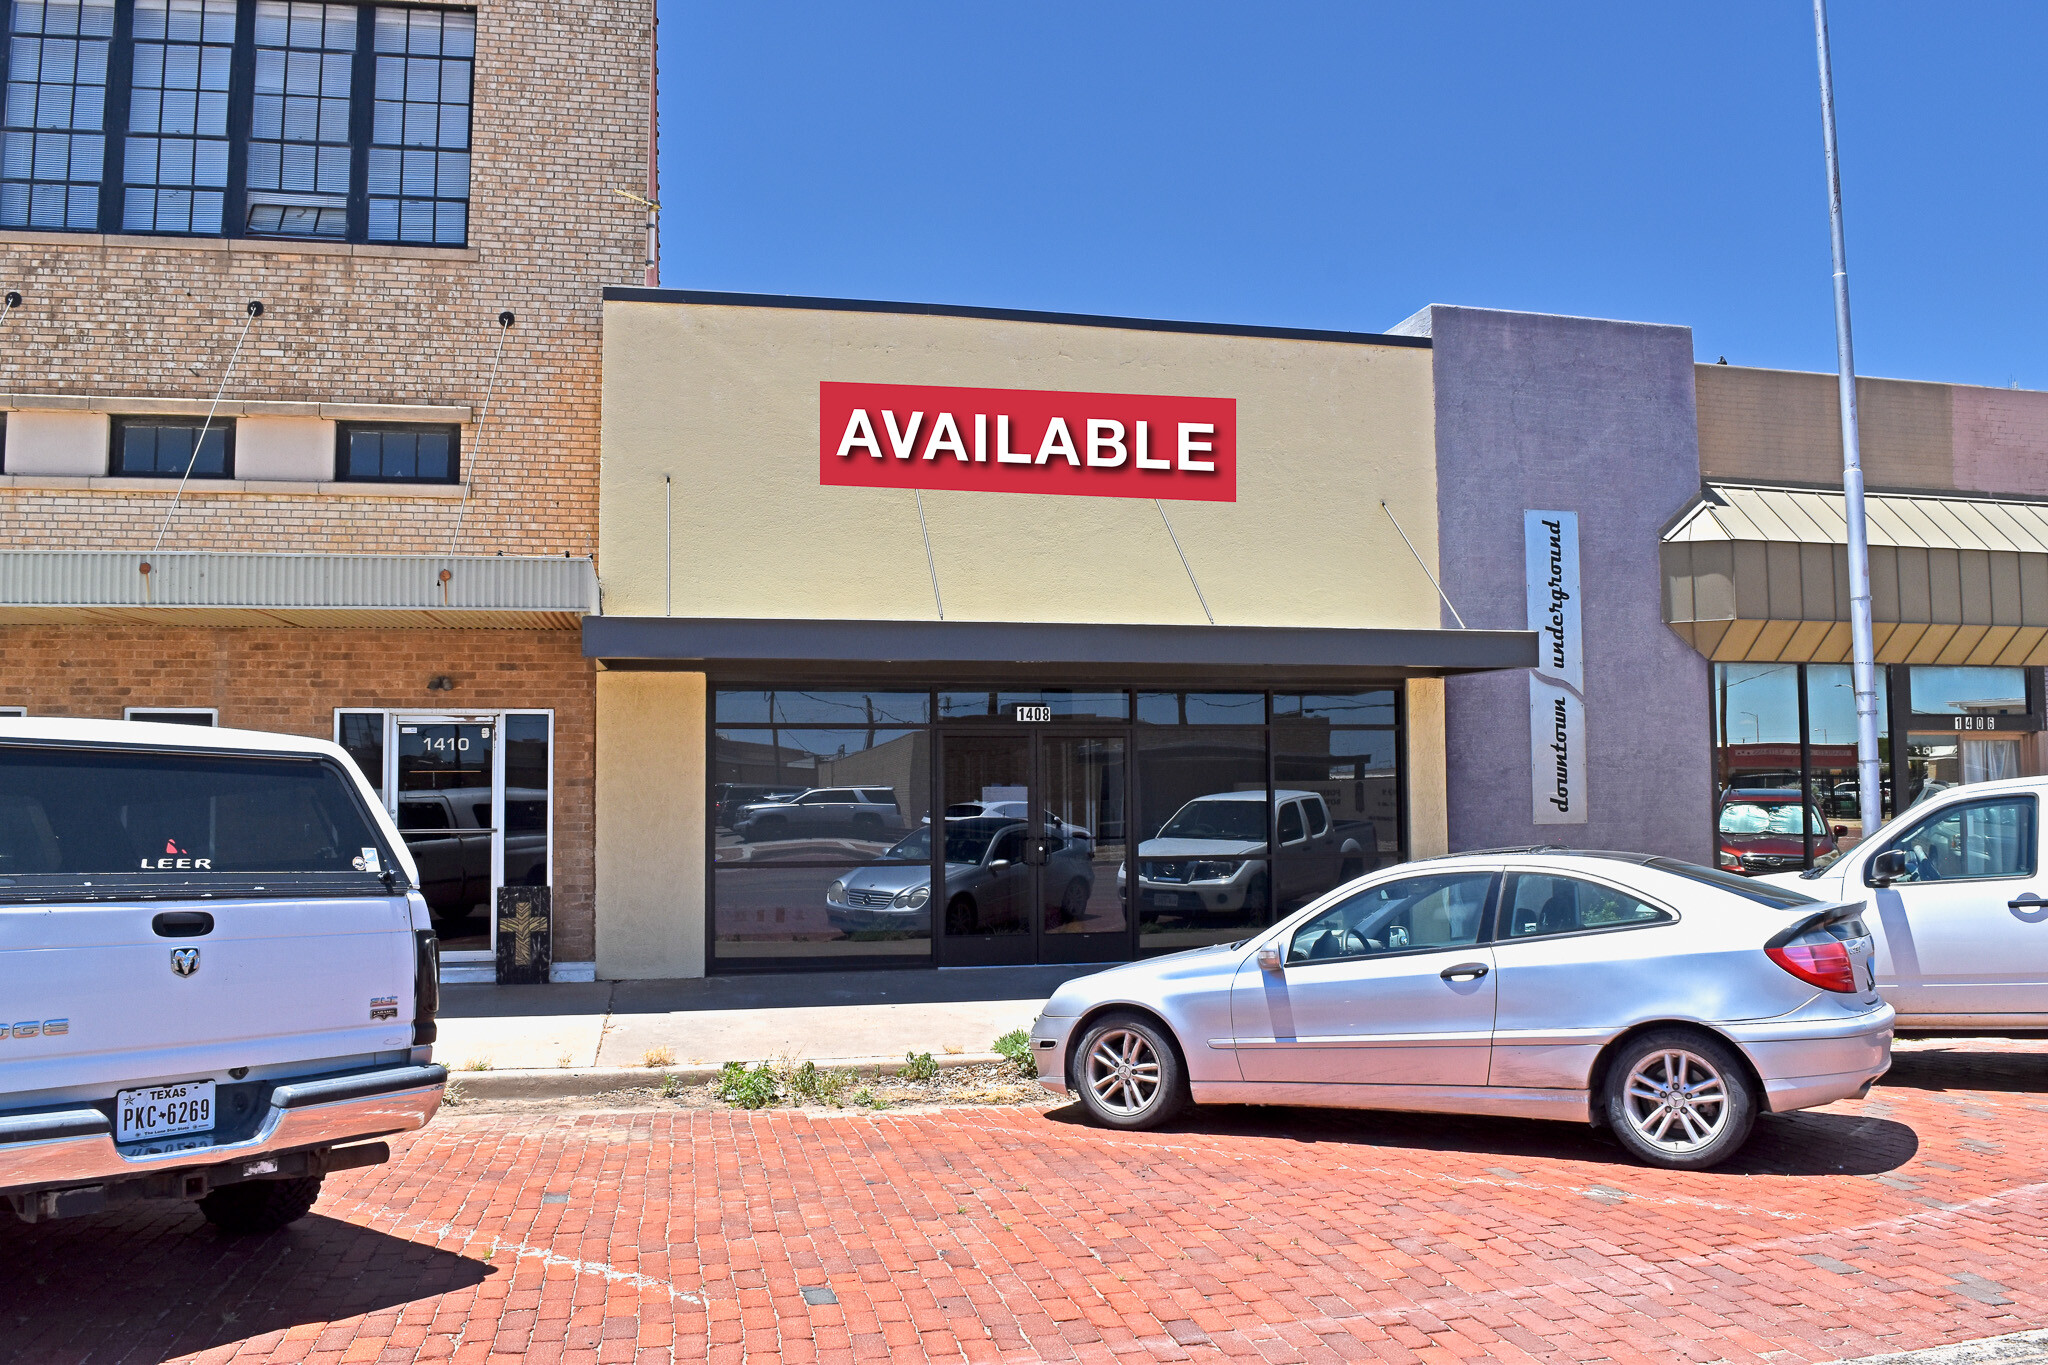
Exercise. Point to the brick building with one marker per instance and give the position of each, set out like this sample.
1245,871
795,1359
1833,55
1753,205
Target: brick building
368,540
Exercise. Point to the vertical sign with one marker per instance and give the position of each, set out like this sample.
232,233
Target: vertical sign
1557,689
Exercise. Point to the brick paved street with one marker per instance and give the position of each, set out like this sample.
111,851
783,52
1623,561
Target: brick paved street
1917,1217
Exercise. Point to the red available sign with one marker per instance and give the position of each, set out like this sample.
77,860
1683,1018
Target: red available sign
1105,445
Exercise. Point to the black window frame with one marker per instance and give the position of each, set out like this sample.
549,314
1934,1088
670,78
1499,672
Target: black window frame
362,138
117,430
344,430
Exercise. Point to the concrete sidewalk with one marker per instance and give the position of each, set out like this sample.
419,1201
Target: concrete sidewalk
582,1038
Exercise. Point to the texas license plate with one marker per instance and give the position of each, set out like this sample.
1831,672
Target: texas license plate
158,1111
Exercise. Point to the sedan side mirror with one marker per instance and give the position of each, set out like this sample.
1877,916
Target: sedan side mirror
1887,866
1841,831
1269,958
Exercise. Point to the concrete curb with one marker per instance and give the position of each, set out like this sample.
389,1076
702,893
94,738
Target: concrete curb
2015,1349
570,1082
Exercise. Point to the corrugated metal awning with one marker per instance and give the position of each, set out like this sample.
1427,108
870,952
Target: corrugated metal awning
186,587
1760,574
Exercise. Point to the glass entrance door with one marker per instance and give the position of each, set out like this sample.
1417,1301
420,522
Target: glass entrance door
1033,844
445,785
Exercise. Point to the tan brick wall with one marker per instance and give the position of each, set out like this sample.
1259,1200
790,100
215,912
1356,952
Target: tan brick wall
1770,426
293,681
560,120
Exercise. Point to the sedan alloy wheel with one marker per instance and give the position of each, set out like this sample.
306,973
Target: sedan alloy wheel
1679,1098
1129,1075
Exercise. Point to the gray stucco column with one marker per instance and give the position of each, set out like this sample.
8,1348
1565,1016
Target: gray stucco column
1597,418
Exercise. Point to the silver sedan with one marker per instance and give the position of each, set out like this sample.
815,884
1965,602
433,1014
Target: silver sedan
1668,1002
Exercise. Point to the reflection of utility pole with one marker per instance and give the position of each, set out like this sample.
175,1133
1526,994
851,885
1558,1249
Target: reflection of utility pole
1721,671
1756,721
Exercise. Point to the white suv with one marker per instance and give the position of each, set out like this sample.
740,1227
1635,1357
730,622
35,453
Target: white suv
1958,901
217,979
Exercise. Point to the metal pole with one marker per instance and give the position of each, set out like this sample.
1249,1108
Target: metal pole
1862,656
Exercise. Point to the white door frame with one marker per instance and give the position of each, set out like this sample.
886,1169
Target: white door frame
394,717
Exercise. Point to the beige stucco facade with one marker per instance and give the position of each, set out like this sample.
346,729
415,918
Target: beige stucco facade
711,505
724,400
650,824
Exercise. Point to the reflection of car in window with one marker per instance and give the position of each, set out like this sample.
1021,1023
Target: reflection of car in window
449,834
822,812
1761,830
728,797
1015,810
988,882
1210,857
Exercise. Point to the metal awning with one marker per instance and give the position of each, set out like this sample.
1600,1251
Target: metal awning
1046,652
1756,573
203,588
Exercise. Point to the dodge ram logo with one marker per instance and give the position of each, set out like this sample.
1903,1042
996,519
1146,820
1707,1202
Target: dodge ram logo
184,961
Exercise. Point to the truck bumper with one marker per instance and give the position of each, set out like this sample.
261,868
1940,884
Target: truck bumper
75,1146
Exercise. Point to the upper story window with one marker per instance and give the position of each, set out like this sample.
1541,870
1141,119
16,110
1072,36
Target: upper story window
238,118
392,452
161,448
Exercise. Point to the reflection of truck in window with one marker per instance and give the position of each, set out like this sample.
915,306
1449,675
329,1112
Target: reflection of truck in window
449,834
1211,856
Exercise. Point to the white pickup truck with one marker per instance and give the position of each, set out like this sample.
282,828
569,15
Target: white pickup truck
217,979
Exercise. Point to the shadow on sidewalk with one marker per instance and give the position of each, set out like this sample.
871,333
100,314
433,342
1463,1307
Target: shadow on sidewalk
1806,1143
781,990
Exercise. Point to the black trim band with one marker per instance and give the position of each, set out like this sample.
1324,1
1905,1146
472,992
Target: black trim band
921,648
633,294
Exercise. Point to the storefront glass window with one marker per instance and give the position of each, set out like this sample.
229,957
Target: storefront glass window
1202,708
792,913
527,787
1831,744
1060,703
810,794
1962,691
1337,797
1203,819
1346,708
793,707
362,734
1097,825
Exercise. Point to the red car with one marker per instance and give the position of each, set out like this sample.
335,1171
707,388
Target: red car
1760,831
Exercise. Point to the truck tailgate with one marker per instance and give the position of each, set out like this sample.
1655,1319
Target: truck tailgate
107,994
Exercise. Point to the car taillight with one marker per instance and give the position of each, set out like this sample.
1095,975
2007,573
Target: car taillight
1819,960
426,986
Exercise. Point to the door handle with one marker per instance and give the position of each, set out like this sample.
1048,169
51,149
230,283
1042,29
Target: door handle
2026,900
182,924
1473,970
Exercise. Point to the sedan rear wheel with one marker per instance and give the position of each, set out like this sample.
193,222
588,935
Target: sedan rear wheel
1680,1100
1130,1075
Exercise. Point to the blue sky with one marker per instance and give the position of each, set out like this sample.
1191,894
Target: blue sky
1340,165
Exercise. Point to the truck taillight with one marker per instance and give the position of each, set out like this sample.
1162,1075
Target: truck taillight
1819,960
426,986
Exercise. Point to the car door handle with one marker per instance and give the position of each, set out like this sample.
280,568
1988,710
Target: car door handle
1474,970
2026,900
182,924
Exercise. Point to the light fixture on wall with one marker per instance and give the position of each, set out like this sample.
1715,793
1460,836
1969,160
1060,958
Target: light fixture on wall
440,682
